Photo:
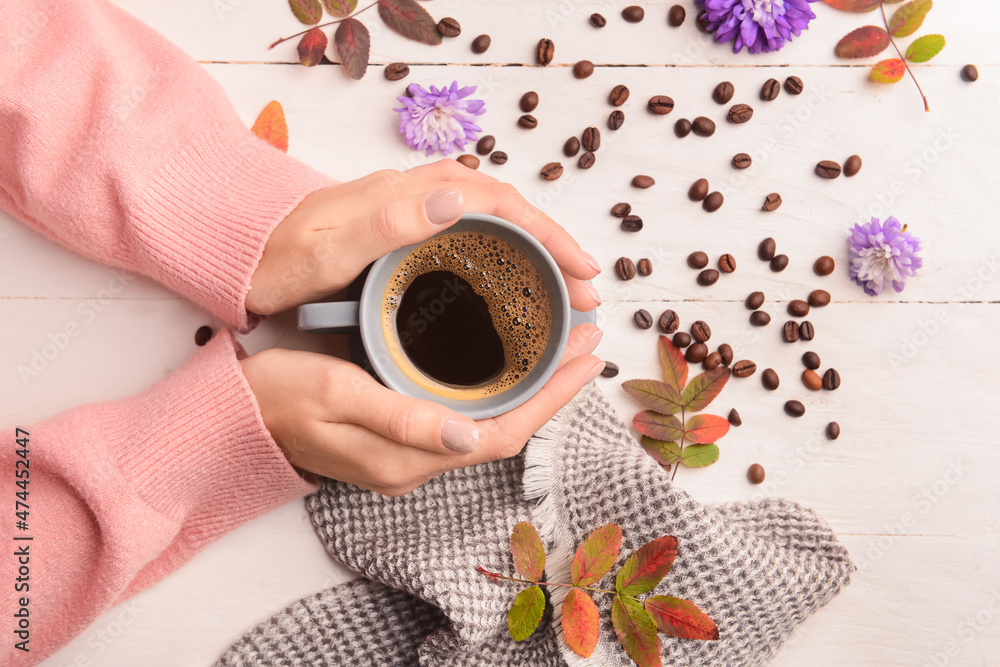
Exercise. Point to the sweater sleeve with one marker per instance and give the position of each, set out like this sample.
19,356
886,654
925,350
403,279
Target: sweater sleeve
118,145
116,495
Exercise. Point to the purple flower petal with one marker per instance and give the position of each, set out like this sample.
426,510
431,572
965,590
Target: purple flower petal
439,119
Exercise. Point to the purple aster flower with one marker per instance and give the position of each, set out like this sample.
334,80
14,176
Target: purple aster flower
883,255
759,25
439,120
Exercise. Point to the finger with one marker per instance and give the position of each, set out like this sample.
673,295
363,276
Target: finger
404,221
583,296
449,170
583,339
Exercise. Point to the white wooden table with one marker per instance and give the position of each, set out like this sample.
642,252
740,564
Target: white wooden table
912,484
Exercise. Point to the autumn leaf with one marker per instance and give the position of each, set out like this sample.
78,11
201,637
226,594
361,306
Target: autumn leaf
528,551
645,568
580,623
340,8
888,71
655,395
664,453
675,366
597,555
856,6
864,42
924,48
353,44
307,11
271,127
680,618
410,20
636,631
705,428
525,613
703,389
908,18
311,47
657,426
699,456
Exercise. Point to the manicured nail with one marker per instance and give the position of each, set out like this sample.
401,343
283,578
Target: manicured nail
593,340
591,262
444,205
594,372
460,436
592,291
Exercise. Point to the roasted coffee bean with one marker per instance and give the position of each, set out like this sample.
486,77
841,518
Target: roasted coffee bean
203,335
676,16
625,268
700,331
529,101
409,93
682,339
545,52
713,202
812,380
618,95
708,277
698,190
552,171
970,73
591,139
621,209
630,223
469,160
852,166
668,321
527,121
832,431
824,266
587,160
696,353
583,69
794,408
744,368
598,20
755,300
642,319
486,144
755,473
727,263
766,248
701,20
697,260
616,119
771,202
571,147
703,127
779,263
819,298
660,105
610,370
794,85
481,44
734,418
396,71
769,378
449,27
740,113
742,161
831,379
807,331
713,360
811,360
723,93
828,169
498,157
644,267
682,128
760,318
798,308
790,331
642,181
770,90
633,13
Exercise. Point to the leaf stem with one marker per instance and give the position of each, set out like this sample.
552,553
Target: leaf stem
497,575
885,18
678,464
322,25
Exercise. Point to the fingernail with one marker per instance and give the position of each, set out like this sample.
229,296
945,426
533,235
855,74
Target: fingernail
592,291
444,205
594,372
591,262
460,436
593,340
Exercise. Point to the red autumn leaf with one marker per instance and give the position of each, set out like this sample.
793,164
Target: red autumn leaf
645,568
856,6
410,20
675,366
703,388
888,71
271,127
579,622
908,18
679,618
307,11
340,8
312,46
657,426
705,428
663,452
528,551
655,395
597,555
636,632
353,45
865,42
525,613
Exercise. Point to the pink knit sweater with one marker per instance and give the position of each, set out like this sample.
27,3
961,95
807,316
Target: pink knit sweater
115,143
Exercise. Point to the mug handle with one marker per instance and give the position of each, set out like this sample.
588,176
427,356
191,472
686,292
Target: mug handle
332,317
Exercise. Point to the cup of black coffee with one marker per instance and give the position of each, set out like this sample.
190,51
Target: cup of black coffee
475,318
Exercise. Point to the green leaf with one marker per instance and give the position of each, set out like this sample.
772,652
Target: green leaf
924,48
908,18
864,42
856,6
646,568
410,20
340,8
700,456
705,428
636,632
657,426
888,71
307,11
665,453
655,395
580,622
353,45
597,555
311,47
680,618
528,551
703,389
675,366
525,613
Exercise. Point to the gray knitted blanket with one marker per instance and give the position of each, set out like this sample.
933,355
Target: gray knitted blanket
757,568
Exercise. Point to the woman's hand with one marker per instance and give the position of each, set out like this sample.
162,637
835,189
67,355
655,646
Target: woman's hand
333,234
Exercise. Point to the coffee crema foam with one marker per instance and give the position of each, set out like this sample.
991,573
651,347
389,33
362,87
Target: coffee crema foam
505,278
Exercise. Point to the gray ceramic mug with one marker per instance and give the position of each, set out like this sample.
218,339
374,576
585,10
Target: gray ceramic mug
367,314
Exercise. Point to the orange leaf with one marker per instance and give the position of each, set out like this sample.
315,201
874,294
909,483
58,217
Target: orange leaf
865,42
856,6
675,366
579,622
889,71
528,551
679,618
597,554
702,429
271,127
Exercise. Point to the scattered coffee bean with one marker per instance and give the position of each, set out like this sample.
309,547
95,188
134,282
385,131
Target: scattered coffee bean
701,20
633,13
828,169
812,380
832,431
616,119
708,277
734,418
794,85
698,190
819,298
741,161
642,319
713,202
527,121
552,171
790,331
571,147
700,331
740,113
668,321
586,161
583,69
449,27
481,44
703,127
970,73
644,267
697,260
811,360
726,352
630,223
625,268
769,378
660,105
713,360
755,300
642,181
727,263
676,16
203,335
831,380
798,308
770,90
610,370
696,353
824,266
852,166
682,128
529,101
618,95
486,144
807,331
760,318
682,339
755,473
779,263
591,139
771,202
744,368
498,157
794,408
396,71
545,52
469,160
621,209
723,93
766,248
598,20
